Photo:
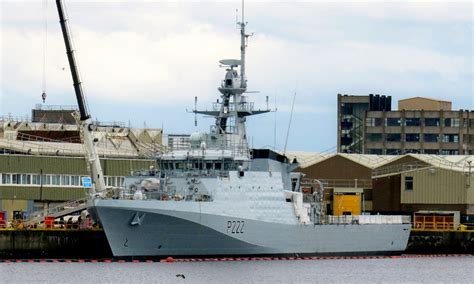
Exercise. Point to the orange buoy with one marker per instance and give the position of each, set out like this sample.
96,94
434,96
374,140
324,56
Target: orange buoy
169,259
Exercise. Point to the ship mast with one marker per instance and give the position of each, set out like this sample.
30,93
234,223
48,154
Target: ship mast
85,119
233,105
243,39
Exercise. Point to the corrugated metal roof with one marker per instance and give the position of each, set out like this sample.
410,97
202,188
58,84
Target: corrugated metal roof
307,159
450,162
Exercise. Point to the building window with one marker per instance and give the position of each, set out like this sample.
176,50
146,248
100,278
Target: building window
370,121
55,180
374,137
412,122
393,151
432,122
75,180
25,179
455,122
15,178
449,152
451,122
394,137
408,183
65,180
6,179
45,179
346,140
347,110
412,137
36,179
346,124
453,138
431,151
430,137
393,121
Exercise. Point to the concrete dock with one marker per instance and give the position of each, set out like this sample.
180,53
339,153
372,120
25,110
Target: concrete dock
92,243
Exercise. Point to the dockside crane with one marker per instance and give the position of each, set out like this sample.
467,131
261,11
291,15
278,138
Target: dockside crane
86,126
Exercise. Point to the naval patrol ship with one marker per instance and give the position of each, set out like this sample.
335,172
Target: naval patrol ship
216,196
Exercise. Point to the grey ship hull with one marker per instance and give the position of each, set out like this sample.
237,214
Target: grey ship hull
132,230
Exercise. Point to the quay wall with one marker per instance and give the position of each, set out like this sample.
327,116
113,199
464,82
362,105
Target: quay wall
53,244
90,244
441,242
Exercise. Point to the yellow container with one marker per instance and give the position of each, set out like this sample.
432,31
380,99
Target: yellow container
347,204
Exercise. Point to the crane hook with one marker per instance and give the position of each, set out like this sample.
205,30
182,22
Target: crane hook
43,96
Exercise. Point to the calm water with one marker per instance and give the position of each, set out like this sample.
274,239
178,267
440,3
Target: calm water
391,270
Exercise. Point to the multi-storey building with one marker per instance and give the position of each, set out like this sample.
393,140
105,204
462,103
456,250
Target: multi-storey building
350,119
420,125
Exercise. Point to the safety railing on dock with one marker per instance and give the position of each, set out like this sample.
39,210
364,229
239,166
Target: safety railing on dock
369,219
437,223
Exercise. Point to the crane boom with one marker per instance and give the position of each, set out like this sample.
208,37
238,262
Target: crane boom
85,121
72,62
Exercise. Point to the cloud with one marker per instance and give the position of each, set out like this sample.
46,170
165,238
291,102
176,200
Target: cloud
162,54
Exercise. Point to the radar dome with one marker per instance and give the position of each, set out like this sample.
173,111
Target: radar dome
196,138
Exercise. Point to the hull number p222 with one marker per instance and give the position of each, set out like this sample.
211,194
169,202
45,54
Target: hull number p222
235,227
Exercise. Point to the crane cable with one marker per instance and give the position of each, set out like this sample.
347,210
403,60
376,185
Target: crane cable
45,45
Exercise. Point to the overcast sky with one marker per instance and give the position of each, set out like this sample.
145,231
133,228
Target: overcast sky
144,61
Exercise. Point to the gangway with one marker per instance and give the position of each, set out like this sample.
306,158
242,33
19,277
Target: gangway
58,211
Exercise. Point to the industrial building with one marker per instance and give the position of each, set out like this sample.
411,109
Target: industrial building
347,178
367,125
415,182
389,184
30,183
42,159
